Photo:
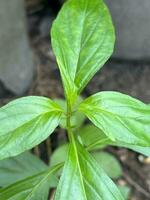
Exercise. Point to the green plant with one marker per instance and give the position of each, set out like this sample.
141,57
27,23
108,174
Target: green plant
83,40
106,160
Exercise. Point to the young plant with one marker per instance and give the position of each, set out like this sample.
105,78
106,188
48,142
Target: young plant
83,40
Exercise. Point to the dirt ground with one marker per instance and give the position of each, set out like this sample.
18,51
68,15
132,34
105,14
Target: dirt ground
132,78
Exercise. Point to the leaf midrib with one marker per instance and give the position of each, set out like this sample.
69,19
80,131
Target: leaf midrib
79,168
110,113
81,37
103,179
132,133
37,116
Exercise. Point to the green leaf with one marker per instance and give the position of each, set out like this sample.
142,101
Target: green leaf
26,122
83,40
19,167
59,155
77,118
92,137
83,179
122,118
125,191
32,188
109,163
142,150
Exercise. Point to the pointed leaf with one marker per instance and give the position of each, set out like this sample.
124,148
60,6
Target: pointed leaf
122,118
83,179
26,122
83,40
32,188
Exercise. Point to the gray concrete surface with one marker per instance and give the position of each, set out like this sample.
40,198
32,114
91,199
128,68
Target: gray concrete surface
132,23
16,61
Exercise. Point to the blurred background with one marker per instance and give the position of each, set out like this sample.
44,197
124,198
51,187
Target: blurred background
28,67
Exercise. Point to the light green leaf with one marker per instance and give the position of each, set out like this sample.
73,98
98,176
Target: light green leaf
26,122
142,150
83,40
19,167
125,191
59,155
92,137
109,163
83,179
32,188
122,118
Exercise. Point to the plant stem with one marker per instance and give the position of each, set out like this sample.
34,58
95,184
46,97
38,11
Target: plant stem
69,128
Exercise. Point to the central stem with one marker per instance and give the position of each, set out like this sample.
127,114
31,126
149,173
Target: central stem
69,128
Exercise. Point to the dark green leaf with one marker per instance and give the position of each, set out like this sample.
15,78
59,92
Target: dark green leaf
83,179
32,188
109,163
122,118
19,167
83,40
26,122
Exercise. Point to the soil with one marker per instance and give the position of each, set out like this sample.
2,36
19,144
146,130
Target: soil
132,78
